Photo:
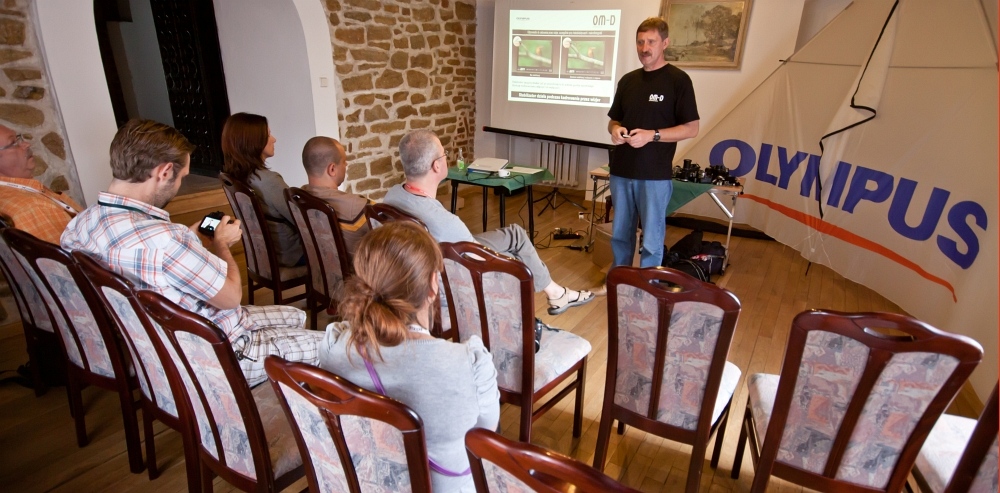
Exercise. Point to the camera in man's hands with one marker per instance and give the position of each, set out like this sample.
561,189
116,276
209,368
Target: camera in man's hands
210,222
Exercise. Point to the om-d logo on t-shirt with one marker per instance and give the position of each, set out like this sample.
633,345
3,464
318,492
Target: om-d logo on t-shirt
655,98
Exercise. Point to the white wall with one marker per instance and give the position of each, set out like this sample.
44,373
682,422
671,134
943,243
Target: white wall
274,59
771,36
73,60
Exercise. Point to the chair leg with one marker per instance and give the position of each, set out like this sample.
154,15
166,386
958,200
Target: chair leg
581,380
696,465
621,427
147,431
250,289
132,442
525,435
740,446
76,408
206,478
312,308
192,463
603,437
720,434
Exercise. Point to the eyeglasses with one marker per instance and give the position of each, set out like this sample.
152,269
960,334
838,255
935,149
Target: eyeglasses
18,140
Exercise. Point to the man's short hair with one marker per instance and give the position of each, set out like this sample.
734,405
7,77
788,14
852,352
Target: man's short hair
417,150
654,24
141,145
318,153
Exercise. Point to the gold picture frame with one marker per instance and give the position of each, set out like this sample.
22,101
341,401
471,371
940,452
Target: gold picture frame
706,33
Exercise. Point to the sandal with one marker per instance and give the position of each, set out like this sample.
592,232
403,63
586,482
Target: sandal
563,303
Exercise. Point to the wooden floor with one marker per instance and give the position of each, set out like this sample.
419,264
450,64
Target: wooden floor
38,451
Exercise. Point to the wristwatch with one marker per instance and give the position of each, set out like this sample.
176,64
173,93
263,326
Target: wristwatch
656,135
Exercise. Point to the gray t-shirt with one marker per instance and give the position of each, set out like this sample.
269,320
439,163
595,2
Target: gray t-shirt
444,226
451,386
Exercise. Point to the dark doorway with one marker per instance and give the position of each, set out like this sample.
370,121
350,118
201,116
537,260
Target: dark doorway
186,89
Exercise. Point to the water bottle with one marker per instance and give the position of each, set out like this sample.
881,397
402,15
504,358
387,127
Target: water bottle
461,160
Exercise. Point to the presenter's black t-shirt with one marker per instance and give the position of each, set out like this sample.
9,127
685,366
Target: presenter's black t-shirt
659,99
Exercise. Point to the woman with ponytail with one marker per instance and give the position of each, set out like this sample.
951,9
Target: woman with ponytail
384,345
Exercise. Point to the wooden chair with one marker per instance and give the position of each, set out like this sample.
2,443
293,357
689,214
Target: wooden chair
378,214
46,360
854,400
242,436
89,342
492,297
961,454
158,399
263,269
326,251
502,465
352,440
668,339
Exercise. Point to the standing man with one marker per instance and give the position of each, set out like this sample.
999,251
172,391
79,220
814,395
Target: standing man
654,108
24,201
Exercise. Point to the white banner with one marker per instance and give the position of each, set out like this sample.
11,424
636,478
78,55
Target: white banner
902,197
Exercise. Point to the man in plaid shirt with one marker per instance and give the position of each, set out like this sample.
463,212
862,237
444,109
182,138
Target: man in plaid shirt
129,230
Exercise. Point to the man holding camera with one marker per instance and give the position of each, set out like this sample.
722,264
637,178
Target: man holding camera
24,201
653,109
129,231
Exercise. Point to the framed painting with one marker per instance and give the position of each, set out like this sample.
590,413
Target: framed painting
706,34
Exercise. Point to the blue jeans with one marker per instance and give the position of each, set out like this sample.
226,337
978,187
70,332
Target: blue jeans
635,200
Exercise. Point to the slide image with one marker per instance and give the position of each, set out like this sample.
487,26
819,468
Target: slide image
533,55
584,56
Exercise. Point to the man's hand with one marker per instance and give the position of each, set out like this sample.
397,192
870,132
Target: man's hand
227,232
619,135
639,137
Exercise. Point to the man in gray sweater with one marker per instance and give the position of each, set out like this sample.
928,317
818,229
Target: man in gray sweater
425,166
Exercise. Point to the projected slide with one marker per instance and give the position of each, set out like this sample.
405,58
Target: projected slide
563,56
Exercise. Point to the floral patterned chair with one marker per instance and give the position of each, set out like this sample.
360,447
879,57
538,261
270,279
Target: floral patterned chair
379,214
117,295
353,440
45,356
491,296
854,400
242,436
668,340
961,454
263,269
500,465
326,252
94,352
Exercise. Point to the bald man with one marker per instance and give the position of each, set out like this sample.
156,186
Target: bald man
326,167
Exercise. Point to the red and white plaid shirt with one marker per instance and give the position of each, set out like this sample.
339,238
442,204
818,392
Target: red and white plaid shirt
138,241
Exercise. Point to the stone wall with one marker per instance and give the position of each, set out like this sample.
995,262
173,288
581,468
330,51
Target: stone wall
27,104
401,66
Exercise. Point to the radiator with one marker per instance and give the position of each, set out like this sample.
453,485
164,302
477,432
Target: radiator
562,160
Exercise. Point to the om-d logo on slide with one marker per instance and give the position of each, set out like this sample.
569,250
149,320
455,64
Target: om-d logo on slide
655,98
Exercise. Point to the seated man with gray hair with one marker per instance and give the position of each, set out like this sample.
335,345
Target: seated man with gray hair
425,167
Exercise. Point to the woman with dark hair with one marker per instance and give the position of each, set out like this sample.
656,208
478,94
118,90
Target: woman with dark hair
384,345
246,143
